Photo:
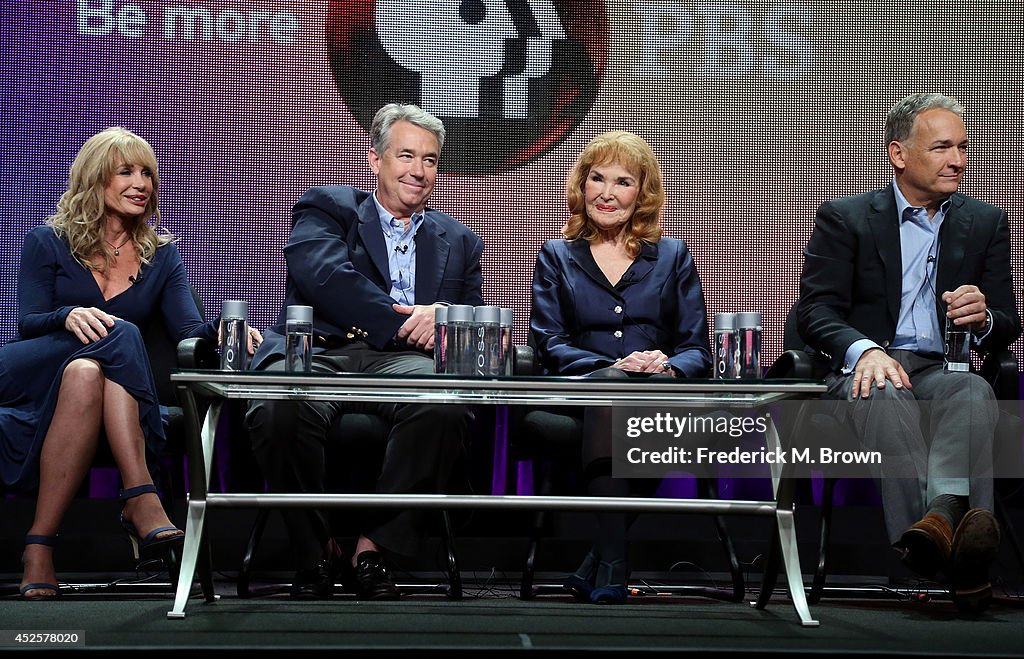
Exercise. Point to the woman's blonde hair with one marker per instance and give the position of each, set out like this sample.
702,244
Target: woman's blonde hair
632,152
81,210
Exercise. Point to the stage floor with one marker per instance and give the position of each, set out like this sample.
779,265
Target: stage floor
491,618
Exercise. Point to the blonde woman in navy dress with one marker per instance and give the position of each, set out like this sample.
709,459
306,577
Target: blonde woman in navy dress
88,278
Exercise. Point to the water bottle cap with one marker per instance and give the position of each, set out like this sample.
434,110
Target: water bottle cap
299,313
488,314
440,315
460,313
506,318
725,322
234,310
748,319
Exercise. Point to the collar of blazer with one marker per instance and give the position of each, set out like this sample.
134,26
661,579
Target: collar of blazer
431,250
885,227
583,258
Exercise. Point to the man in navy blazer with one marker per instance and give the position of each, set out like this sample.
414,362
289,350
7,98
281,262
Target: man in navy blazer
373,266
883,272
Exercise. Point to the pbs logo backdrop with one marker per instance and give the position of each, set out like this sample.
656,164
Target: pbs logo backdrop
509,78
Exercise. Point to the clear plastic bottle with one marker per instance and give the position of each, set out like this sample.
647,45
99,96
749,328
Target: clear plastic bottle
298,345
460,354
487,325
234,335
440,338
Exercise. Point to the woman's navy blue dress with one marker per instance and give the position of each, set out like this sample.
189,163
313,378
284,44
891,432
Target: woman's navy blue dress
50,284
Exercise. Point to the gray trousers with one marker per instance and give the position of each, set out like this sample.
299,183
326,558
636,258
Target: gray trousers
935,438
288,439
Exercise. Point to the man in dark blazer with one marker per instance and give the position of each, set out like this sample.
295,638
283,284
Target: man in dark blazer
883,271
373,267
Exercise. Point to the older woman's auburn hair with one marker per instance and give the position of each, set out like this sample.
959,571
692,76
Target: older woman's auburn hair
81,209
632,152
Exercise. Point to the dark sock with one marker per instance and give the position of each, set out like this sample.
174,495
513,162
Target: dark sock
952,507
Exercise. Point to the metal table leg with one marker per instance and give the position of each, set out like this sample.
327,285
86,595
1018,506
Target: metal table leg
199,475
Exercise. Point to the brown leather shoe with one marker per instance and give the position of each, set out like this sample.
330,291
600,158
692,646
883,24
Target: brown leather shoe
927,545
975,546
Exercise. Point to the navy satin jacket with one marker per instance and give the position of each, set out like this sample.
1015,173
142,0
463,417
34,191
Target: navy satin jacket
579,322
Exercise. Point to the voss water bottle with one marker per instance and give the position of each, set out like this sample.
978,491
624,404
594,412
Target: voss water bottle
487,326
508,352
957,348
725,347
440,338
234,334
748,329
460,354
298,346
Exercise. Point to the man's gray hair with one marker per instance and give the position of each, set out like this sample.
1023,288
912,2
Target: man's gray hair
900,121
380,129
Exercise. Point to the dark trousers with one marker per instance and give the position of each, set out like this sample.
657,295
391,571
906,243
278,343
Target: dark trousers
288,439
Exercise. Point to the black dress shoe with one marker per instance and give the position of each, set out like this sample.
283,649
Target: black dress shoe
316,582
370,579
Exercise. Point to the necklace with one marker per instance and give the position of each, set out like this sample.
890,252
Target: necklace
117,248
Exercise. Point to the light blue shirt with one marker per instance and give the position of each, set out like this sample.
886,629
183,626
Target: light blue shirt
401,247
917,327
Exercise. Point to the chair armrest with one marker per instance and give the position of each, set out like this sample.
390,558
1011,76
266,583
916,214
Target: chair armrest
1001,370
197,353
792,364
525,361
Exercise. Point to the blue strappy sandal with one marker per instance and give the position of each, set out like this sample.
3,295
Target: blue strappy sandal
151,543
48,541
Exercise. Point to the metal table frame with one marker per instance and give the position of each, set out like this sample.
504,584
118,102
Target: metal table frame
219,386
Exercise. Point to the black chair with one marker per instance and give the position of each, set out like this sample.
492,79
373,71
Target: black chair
553,436
362,439
799,361
165,355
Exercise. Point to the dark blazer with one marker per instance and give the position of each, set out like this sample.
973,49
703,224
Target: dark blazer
852,278
338,264
579,322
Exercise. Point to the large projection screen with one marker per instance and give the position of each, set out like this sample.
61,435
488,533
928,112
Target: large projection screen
758,111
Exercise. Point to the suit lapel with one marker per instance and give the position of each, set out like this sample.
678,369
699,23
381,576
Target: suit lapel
579,253
952,243
372,236
432,249
885,227
642,264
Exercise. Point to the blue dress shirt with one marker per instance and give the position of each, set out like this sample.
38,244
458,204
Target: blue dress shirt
401,244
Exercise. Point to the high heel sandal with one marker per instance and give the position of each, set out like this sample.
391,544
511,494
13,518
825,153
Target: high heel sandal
581,583
151,542
48,541
611,592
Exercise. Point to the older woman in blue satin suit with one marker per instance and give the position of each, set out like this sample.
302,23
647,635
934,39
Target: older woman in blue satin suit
615,299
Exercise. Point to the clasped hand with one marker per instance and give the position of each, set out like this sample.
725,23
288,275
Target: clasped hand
418,329
646,361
